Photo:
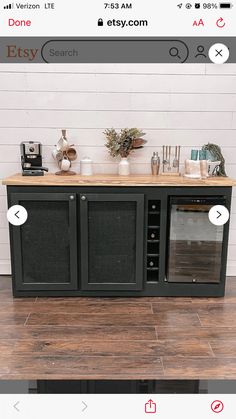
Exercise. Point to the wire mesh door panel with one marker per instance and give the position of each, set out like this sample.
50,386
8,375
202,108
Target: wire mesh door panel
112,241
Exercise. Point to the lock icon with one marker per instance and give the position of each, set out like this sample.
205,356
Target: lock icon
100,22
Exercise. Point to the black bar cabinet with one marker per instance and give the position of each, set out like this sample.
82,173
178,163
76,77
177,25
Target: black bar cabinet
118,241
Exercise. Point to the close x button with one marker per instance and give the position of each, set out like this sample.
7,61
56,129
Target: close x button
219,53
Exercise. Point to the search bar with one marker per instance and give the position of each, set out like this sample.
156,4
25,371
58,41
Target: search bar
115,51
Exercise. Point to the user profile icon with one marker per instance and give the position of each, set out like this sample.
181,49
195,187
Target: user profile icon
200,51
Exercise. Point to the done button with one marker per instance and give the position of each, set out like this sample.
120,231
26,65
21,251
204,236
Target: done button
19,23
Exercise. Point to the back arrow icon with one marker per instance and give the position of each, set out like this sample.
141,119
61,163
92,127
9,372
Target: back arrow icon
84,406
16,214
15,406
219,214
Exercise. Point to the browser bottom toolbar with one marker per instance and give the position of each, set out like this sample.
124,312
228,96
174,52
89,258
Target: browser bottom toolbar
116,406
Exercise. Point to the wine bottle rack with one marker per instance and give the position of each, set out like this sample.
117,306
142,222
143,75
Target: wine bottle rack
153,241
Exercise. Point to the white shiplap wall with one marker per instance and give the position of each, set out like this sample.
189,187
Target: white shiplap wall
174,104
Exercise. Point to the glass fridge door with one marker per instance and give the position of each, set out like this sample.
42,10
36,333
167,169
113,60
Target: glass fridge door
195,244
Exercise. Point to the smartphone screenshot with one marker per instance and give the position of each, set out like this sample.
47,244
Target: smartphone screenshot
117,209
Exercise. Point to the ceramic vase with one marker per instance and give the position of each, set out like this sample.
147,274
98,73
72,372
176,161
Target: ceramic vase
124,167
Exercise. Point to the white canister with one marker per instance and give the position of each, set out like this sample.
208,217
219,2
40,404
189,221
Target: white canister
204,169
86,166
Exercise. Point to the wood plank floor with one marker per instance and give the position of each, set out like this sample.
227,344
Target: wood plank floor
117,338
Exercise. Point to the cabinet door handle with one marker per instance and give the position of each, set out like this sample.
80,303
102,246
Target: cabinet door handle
83,198
72,197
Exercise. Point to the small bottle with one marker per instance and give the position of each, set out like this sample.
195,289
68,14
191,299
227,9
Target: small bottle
155,163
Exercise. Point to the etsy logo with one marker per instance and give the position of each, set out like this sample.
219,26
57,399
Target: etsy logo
24,54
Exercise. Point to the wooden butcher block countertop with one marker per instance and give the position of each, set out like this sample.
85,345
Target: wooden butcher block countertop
50,179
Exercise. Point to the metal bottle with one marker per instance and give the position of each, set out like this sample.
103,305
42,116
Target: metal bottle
155,163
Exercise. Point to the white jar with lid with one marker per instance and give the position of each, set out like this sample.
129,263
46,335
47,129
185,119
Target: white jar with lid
86,166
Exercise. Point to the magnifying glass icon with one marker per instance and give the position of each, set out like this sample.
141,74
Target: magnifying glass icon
174,52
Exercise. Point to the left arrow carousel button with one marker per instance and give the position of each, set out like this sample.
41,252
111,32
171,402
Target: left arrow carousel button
17,215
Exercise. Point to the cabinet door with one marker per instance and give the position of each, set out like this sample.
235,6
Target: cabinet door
111,241
195,244
44,249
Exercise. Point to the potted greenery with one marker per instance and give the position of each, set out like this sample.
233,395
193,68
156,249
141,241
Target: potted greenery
121,144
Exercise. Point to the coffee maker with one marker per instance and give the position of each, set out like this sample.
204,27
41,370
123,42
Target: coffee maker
31,159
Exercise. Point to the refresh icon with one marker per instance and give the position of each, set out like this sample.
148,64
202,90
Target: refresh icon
220,23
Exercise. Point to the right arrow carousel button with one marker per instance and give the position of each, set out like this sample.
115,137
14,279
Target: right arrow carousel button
218,215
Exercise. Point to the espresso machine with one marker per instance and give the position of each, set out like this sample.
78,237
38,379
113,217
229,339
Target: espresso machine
31,159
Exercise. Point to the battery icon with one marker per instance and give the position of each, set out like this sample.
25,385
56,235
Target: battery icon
226,5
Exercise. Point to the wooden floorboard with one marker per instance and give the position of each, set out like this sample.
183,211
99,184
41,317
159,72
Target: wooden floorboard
117,338
24,367
201,333
200,368
71,333
87,319
112,348
76,308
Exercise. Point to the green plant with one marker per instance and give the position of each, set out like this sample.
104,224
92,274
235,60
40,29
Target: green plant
217,155
124,142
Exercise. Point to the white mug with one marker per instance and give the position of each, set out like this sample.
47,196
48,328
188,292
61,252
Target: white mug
57,155
54,153
62,144
65,165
